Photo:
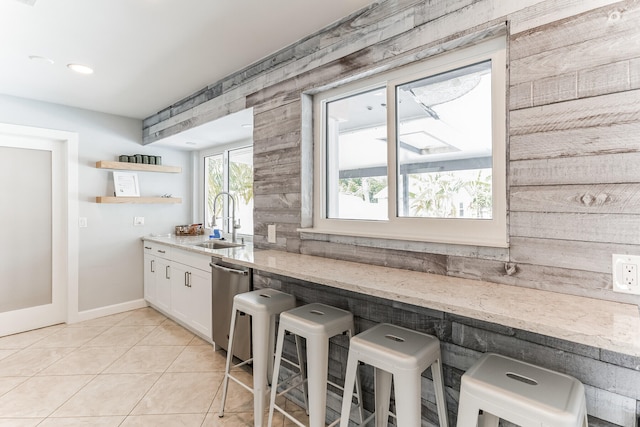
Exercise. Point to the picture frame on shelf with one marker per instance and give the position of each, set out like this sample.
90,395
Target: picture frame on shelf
126,184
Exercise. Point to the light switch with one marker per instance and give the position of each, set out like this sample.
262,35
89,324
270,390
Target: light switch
82,222
271,233
138,221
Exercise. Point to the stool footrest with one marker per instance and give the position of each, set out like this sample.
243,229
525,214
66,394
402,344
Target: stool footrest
289,416
240,383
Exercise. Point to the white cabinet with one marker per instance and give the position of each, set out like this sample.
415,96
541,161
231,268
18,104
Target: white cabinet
191,297
157,274
178,283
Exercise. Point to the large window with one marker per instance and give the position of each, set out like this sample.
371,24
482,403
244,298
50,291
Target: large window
232,171
417,153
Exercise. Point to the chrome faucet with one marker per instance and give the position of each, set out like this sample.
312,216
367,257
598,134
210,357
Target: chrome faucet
234,225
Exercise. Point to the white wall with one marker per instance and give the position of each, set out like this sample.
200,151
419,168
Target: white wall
111,264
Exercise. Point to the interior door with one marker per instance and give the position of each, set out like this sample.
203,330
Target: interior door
33,218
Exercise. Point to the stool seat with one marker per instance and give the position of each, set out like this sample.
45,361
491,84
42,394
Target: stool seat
263,305
267,301
316,319
521,393
400,354
391,347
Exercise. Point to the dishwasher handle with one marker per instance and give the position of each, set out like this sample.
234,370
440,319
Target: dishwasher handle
229,270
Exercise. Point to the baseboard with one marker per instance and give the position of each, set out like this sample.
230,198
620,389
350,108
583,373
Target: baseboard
109,310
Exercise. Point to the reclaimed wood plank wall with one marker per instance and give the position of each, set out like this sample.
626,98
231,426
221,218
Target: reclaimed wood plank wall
573,152
573,180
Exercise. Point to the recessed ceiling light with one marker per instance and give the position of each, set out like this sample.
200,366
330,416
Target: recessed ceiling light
79,68
39,58
190,143
247,125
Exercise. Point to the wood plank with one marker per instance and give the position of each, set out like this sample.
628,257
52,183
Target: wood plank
563,280
552,24
105,164
605,169
591,53
605,79
520,96
377,256
139,200
574,255
603,110
554,89
611,139
609,198
601,228
277,157
290,140
279,121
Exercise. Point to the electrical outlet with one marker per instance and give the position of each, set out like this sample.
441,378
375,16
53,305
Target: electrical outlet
271,233
624,269
138,221
82,222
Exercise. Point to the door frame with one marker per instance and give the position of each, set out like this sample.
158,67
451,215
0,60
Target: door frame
70,240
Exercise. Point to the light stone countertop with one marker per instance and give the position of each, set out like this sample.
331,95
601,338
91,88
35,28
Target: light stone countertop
603,324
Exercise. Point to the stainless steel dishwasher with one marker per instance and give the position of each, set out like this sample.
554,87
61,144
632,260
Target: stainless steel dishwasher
228,280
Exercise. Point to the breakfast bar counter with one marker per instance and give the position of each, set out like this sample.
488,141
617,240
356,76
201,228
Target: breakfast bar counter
602,324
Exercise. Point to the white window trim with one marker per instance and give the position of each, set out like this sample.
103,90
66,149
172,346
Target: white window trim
484,232
218,150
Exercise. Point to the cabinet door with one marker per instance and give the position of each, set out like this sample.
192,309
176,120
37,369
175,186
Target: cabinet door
180,295
163,284
200,306
150,277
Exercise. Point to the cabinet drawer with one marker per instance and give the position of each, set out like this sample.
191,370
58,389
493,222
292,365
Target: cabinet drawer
199,261
156,249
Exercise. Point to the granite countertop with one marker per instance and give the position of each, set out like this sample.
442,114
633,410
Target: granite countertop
608,325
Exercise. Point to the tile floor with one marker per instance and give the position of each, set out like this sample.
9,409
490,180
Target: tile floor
131,369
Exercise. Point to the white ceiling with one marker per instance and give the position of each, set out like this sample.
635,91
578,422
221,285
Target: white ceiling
147,54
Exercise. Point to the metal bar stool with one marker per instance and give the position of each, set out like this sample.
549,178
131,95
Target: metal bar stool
519,392
401,354
317,323
262,305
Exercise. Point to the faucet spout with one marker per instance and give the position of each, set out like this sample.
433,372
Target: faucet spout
234,225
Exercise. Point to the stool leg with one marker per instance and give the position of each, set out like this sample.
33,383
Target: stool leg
227,368
358,387
382,389
303,374
467,412
274,379
272,337
349,382
318,360
408,405
260,330
438,384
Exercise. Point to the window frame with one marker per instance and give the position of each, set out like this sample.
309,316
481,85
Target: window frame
479,232
223,151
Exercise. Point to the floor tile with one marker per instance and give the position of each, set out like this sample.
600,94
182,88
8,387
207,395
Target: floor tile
8,383
176,393
70,337
110,394
111,320
143,316
199,358
199,341
145,359
83,422
168,334
122,336
170,420
19,422
85,360
26,339
238,399
239,419
40,396
7,353
30,361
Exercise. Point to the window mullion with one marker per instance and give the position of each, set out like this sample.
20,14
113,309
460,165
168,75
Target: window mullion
392,187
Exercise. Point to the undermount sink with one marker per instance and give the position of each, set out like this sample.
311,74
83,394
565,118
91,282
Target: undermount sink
218,245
